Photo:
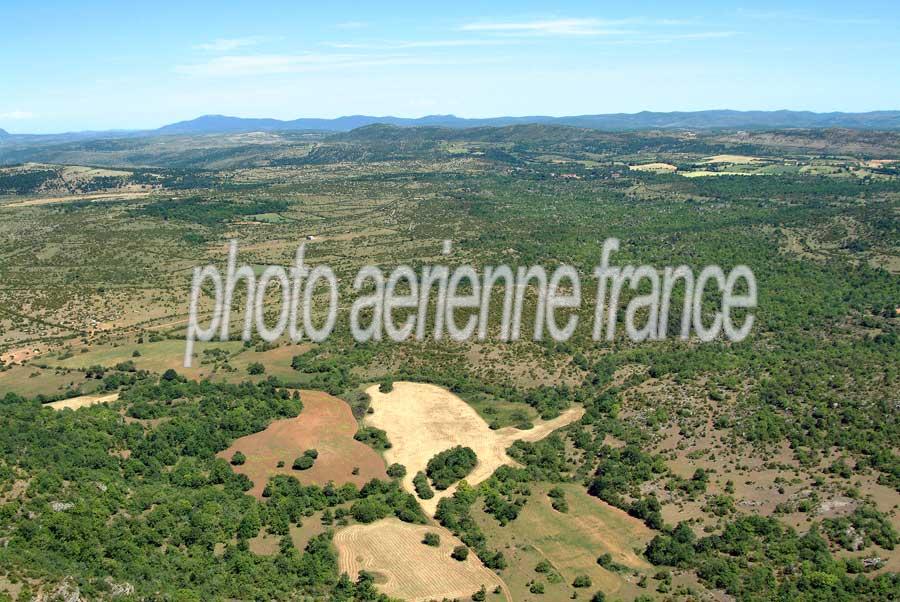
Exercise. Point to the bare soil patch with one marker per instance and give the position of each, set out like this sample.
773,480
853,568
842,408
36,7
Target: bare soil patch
325,424
18,355
879,162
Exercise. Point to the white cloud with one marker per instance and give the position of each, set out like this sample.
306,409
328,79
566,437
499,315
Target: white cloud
228,44
667,38
805,16
17,115
565,27
409,44
653,31
704,35
352,25
260,64
269,64
674,22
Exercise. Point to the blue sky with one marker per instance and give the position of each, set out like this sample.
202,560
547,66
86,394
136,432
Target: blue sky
102,65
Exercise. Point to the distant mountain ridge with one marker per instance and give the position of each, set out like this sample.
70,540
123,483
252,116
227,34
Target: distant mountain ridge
715,119
645,120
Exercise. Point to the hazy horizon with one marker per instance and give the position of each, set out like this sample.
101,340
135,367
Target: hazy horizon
424,116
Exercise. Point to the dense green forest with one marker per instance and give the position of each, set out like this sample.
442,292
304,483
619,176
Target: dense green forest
169,517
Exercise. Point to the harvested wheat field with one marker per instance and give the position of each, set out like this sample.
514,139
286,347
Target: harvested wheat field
421,420
666,167
325,424
83,401
744,159
408,569
81,197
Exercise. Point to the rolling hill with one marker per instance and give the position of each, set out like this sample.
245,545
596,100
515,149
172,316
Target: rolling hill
645,120
616,121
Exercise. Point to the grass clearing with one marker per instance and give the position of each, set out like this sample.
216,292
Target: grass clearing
31,381
276,361
571,543
156,357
